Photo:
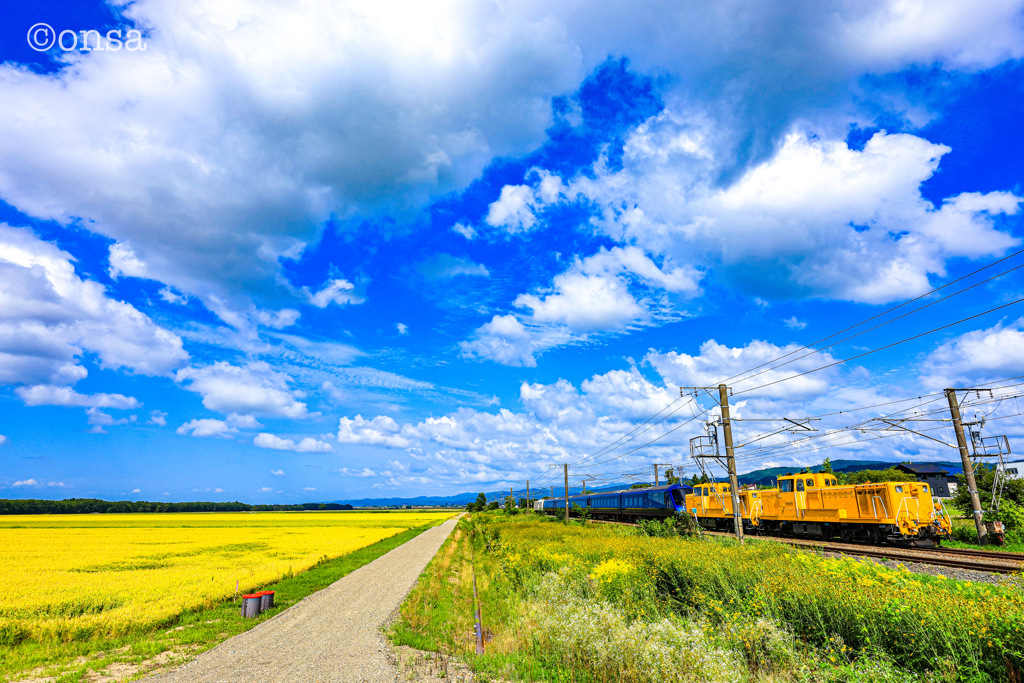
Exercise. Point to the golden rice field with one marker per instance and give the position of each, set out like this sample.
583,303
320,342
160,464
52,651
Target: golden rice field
68,577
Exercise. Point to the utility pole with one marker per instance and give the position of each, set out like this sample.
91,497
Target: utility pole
528,506
730,459
511,499
656,466
565,472
972,485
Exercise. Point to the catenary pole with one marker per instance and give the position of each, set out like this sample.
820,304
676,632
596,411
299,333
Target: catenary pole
730,461
972,485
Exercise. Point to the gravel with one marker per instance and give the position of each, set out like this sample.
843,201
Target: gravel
936,570
333,635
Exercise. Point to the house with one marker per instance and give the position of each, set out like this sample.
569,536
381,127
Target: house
936,476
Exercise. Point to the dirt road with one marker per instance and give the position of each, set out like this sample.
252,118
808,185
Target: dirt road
333,635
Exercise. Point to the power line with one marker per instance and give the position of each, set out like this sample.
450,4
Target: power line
882,348
874,317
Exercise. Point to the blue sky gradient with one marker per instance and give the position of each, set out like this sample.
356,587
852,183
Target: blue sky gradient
404,251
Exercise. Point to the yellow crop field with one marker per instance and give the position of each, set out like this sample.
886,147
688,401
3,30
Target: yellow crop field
69,577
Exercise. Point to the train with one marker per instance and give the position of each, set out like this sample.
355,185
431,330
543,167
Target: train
653,502
803,504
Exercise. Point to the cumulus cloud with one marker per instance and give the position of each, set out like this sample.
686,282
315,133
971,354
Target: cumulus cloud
49,395
609,291
255,388
505,340
99,420
305,445
158,418
207,203
717,362
380,431
39,484
3,439
277,473
818,218
207,427
337,291
49,316
997,351
402,328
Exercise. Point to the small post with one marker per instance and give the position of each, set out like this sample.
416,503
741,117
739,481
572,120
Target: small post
528,506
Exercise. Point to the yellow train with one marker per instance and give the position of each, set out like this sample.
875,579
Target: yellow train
816,505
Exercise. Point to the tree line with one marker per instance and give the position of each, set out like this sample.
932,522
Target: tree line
74,506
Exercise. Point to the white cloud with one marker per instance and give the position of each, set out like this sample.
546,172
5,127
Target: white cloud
38,484
402,328
99,419
305,445
465,230
365,472
503,339
264,489
445,266
213,176
124,262
584,303
308,488
717,362
794,324
816,219
207,427
996,351
277,473
243,421
158,417
48,395
172,297
49,316
514,209
3,439
277,320
136,490
380,431
337,291
255,388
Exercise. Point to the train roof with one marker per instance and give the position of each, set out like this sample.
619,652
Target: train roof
664,487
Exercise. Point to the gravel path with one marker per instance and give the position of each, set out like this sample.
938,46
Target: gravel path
333,635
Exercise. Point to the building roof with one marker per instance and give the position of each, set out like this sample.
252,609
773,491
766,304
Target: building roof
922,468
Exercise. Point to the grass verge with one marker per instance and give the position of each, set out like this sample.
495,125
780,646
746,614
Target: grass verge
602,603
190,633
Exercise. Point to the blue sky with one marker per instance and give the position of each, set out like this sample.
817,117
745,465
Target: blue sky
390,249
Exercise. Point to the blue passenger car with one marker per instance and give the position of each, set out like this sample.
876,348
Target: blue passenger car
648,503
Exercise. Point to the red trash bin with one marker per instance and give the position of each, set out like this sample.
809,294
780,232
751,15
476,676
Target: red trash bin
266,600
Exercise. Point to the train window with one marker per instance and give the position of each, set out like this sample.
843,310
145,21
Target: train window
925,488
786,486
799,484
810,483
899,489
677,496
828,482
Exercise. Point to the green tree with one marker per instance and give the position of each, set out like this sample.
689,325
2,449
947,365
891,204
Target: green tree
1013,489
827,466
875,476
670,476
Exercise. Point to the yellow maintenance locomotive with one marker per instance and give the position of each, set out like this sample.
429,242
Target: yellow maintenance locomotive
816,505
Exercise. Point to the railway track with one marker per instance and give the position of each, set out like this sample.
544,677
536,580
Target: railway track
956,558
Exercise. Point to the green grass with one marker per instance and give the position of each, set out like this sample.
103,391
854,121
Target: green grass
667,606
187,635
